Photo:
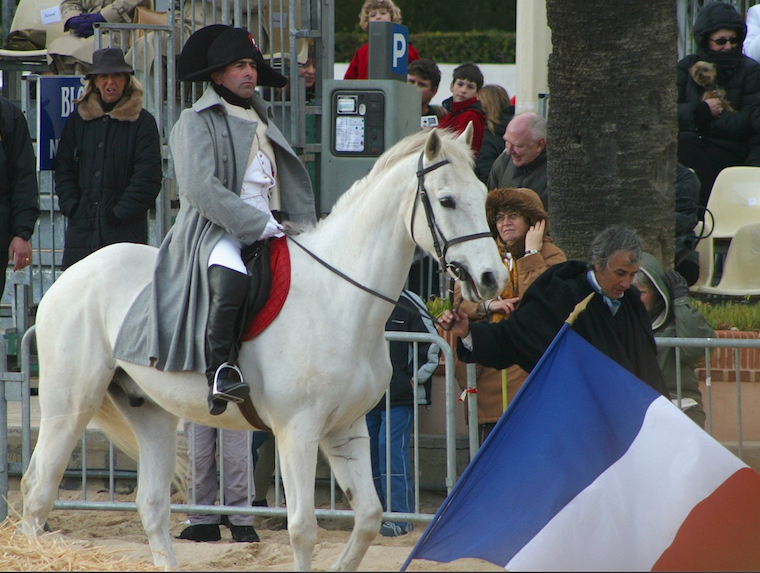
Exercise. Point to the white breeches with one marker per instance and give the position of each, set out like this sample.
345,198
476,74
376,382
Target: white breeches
226,253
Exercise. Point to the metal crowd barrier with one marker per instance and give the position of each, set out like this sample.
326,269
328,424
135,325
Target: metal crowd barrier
16,387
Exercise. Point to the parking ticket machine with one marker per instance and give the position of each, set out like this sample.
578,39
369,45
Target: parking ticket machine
364,118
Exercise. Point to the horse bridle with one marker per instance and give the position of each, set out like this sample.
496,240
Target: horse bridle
453,268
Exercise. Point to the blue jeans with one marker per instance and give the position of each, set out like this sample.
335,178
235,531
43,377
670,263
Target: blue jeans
402,487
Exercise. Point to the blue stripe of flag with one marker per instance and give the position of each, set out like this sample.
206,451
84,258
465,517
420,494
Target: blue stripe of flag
578,413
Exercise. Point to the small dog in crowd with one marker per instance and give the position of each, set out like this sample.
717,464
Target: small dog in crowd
705,74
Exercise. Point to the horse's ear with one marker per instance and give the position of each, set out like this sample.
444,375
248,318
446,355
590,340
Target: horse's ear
467,134
433,145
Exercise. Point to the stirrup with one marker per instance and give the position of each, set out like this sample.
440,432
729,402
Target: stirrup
236,392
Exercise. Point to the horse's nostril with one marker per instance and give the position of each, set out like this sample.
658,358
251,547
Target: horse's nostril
488,280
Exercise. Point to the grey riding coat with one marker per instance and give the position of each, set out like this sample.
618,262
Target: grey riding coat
166,325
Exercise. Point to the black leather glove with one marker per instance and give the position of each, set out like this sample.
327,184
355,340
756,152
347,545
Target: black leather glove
677,284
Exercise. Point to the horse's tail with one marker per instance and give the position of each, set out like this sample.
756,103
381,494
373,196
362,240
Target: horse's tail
116,426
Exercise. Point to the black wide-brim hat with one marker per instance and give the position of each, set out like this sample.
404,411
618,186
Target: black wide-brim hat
213,47
109,61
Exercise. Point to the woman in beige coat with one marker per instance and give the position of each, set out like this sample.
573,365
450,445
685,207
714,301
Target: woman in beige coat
519,225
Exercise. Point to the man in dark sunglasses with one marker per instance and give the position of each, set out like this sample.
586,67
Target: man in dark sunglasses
714,133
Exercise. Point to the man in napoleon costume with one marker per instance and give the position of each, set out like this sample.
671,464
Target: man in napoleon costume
238,180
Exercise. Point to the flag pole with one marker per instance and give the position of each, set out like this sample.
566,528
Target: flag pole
504,396
579,308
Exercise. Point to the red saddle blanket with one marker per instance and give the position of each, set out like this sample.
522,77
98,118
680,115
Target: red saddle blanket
279,263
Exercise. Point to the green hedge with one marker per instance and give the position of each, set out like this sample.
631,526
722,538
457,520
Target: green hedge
487,47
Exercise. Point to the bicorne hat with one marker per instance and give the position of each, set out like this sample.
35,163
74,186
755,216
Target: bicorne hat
213,47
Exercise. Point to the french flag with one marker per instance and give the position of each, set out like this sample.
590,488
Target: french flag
590,469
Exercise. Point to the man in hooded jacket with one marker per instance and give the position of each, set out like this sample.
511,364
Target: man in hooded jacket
666,298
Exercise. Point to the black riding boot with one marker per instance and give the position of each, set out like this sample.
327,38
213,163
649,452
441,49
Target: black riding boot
229,290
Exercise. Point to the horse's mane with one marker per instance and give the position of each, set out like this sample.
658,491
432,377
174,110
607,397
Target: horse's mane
457,152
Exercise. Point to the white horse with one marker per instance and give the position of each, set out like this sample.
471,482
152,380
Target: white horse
314,372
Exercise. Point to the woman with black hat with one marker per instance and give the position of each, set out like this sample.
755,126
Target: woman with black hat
238,178
108,165
519,224
712,135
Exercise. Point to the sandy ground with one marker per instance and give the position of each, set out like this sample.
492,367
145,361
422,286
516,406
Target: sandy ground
123,531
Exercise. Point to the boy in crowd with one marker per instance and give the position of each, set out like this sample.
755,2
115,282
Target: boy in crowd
424,74
463,105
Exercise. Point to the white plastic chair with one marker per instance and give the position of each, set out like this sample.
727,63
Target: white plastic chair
734,200
706,262
741,271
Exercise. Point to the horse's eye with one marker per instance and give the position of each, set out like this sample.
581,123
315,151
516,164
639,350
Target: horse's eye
448,203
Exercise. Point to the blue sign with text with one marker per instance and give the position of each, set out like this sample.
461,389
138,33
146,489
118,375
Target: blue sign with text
400,49
55,103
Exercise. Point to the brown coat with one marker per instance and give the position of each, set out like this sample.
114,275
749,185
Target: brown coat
489,381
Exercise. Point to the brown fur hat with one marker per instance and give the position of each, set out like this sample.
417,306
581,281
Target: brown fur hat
519,200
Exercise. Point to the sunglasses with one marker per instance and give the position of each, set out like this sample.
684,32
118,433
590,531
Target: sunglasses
733,40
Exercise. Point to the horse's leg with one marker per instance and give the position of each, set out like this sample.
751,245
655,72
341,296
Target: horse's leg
68,400
56,440
156,432
347,450
298,459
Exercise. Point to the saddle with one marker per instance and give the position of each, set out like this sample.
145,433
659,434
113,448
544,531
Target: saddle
268,263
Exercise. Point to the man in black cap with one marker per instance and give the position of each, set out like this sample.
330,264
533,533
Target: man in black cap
238,179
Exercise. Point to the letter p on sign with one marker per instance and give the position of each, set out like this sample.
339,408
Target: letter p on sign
399,49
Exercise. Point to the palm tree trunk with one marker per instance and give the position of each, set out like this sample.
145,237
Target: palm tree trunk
612,121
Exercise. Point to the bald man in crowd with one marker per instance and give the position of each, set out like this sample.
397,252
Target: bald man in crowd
523,163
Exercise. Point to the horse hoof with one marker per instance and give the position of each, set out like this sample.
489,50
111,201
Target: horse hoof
201,532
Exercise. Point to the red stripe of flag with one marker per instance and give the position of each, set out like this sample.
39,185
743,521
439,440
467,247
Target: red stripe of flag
722,532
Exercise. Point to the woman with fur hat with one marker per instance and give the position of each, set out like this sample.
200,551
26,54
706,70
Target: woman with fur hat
108,165
519,225
712,135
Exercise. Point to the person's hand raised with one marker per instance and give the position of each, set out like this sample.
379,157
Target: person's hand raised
534,238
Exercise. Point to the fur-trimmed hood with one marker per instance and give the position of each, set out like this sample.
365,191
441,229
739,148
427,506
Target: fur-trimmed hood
517,199
128,108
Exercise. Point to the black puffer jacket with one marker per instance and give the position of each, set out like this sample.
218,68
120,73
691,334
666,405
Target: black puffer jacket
738,74
19,200
107,173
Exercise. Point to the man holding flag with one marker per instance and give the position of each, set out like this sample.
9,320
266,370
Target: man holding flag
591,469
616,322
